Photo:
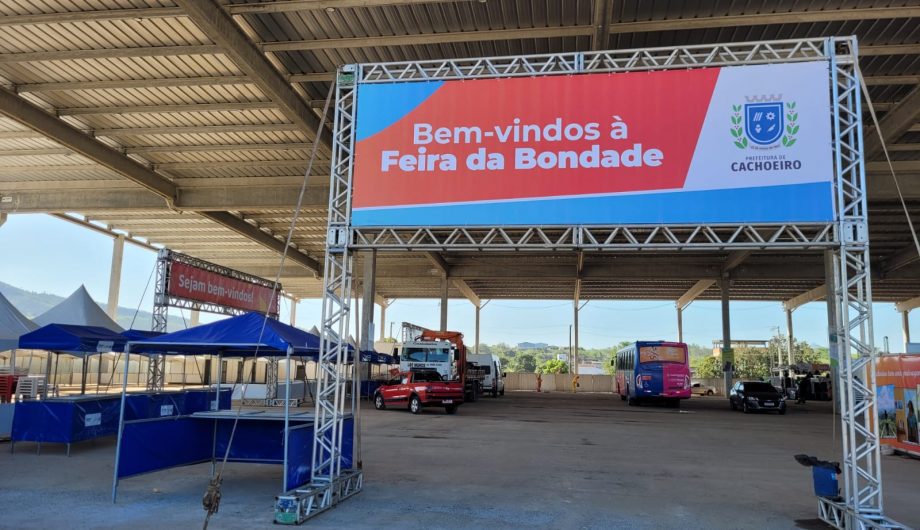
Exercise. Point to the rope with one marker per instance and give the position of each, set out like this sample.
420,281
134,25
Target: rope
211,499
137,310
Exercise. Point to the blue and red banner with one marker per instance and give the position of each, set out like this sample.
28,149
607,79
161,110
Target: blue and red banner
748,144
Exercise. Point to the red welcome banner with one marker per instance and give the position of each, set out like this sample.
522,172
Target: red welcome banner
192,283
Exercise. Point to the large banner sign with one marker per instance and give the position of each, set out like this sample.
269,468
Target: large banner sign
200,285
714,145
897,401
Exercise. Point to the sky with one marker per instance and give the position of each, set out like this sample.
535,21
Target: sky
45,254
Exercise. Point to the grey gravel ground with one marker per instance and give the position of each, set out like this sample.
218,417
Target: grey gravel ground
524,460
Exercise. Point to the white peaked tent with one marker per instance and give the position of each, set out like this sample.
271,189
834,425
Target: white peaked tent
12,325
78,309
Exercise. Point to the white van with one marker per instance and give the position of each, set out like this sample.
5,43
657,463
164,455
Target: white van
493,378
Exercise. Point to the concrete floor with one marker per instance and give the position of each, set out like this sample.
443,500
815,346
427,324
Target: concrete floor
524,460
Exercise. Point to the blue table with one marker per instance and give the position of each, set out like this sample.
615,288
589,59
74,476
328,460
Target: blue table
71,419
156,444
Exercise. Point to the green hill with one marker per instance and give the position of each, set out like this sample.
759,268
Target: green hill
33,304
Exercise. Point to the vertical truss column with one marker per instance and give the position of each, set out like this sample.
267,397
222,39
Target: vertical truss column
328,483
852,296
156,364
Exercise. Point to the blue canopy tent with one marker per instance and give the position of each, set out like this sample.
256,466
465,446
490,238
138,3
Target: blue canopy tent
247,335
72,339
140,334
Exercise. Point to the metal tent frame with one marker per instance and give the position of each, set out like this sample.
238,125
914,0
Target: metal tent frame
846,239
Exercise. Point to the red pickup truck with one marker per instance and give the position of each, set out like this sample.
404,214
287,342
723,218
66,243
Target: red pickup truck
419,389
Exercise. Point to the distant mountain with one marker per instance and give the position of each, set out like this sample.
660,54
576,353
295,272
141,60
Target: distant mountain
33,304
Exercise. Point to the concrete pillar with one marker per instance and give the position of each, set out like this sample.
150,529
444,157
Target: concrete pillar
728,355
367,315
476,346
575,340
118,252
294,310
905,327
790,337
444,292
383,320
195,318
680,324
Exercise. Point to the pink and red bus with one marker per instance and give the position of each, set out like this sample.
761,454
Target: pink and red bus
653,370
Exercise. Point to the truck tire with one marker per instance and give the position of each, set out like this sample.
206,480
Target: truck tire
501,392
494,391
450,409
415,405
378,402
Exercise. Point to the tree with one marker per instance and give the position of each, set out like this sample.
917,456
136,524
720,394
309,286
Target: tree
707,367
553,366
524,362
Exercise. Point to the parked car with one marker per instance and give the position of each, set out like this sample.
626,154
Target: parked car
752,396
699,389
418,389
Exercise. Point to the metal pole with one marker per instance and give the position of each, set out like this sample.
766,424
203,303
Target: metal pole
728,355
118,252
195,318
444,293
905,328
830,279
383,319
294,311
790,337
84,371
121,420
287,414
216,404
680,324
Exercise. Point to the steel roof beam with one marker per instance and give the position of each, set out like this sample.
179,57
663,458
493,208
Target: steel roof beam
85,223
698,288
199,148
445,270
174,12
111,53
34,117
263,238
199,129
284,6
603,12
899,259
134,83
83,16
37,119
907,305
233,198
809,296
764,19
233,106
422,39
897,121
219,26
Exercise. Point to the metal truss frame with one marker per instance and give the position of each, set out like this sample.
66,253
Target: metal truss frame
328,484
162,301
846,237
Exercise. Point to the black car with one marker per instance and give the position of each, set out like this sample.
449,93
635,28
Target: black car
756,395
